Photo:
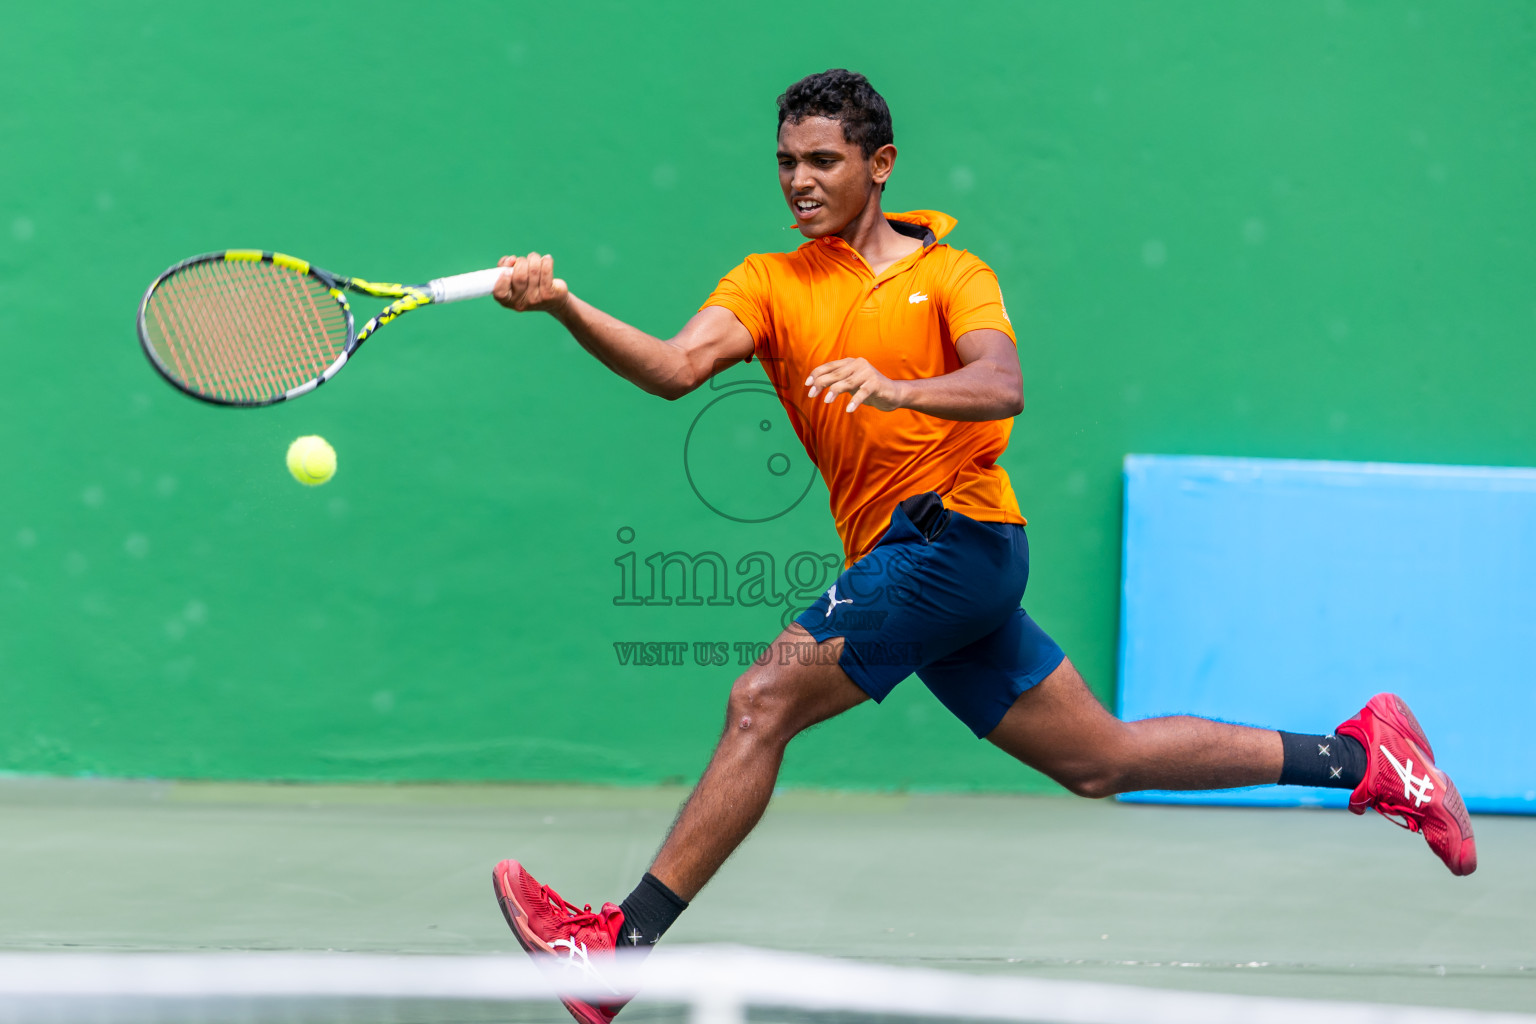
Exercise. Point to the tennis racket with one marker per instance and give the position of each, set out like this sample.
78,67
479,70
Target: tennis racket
249,328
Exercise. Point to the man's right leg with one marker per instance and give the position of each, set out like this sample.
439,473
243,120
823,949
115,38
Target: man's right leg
794,686
769,705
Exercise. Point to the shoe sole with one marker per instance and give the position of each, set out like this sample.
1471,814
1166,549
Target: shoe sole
534,947
516,917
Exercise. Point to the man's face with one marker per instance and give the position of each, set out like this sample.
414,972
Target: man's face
827,180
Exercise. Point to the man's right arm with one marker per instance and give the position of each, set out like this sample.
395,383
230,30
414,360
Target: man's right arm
712,340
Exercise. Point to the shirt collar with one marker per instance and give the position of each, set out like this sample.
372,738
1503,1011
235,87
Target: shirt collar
927,226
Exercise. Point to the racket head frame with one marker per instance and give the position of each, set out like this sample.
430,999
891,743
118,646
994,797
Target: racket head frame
407,298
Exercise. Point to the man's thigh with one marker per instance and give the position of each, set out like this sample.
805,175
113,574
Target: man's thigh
981,681
920,596
1056,724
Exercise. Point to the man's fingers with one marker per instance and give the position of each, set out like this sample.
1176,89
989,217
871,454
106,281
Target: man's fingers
855,377
852,382
858,396
547,279
529,283
502,290
517,282
824,368
542,284
512,288
828,373
828,384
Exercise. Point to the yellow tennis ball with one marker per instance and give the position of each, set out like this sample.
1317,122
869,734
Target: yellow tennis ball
311,460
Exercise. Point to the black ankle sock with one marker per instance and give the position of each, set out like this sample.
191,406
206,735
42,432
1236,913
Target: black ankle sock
1338,762
648,912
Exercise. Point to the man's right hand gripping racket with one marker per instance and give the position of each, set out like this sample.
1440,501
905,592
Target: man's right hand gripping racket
245,327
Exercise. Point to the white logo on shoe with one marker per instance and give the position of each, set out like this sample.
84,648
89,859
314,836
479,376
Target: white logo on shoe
577,958
1414,788
833,602
576,954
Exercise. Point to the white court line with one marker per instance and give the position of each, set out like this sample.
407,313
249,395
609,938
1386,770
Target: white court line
717,981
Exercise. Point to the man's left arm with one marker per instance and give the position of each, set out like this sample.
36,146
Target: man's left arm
988,385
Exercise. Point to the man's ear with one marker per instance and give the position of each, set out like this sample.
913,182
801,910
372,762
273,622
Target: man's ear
881,163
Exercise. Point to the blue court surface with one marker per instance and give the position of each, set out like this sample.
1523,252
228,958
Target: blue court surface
1285,593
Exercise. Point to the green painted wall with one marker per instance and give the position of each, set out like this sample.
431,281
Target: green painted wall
1301,229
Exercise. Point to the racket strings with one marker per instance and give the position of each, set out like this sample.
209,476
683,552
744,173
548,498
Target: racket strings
225,337
213,351
285,348
244,331
198,323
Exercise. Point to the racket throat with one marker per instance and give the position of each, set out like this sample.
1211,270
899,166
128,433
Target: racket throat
410,301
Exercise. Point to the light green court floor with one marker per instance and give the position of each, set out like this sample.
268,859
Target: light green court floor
1265,902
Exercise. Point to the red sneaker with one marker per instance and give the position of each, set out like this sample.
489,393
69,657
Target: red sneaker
1403,784
553,931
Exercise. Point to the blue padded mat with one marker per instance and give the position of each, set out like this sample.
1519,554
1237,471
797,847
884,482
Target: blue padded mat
1285,593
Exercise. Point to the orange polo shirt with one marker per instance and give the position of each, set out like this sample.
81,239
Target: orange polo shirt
822,302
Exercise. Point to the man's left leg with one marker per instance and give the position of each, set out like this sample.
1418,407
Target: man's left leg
1060,728
1381,754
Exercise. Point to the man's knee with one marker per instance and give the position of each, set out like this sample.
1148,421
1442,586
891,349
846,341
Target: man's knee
761,706
1100,771
1091,780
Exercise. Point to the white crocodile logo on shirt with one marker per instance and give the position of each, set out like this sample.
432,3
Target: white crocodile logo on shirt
917,297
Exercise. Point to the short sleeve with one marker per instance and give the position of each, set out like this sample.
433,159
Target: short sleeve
744,291
973,300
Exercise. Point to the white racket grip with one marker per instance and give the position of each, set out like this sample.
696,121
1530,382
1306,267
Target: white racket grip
473,285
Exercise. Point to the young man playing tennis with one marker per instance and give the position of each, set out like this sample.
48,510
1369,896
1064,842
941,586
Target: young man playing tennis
895,360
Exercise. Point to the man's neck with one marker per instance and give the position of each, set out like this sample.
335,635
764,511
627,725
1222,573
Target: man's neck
872,237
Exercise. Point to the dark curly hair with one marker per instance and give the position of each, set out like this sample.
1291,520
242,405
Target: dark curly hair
843,96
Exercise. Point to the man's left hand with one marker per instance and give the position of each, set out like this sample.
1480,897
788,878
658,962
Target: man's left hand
856,377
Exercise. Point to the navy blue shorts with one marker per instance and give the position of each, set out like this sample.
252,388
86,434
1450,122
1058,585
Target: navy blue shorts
942,601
